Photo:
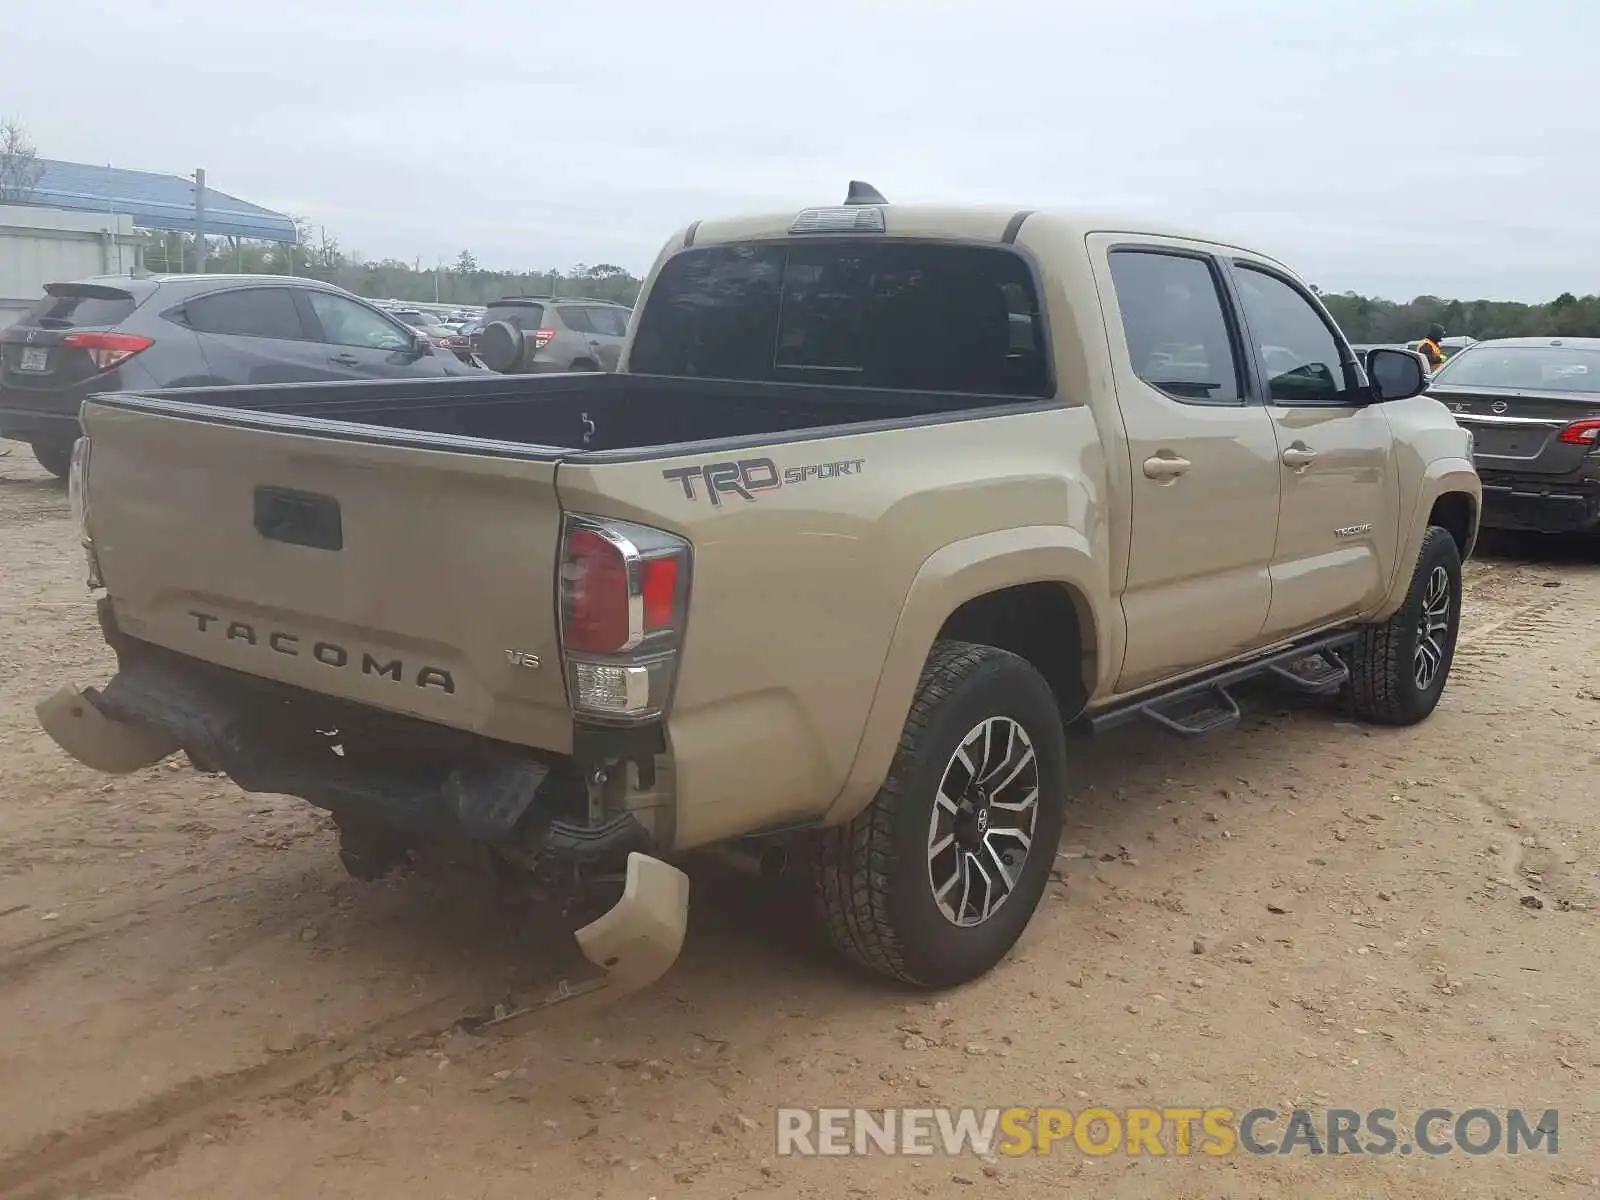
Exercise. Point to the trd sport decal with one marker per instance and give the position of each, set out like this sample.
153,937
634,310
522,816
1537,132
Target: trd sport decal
747,477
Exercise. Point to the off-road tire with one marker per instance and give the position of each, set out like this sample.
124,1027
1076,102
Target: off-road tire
870,878
54,456
1383,687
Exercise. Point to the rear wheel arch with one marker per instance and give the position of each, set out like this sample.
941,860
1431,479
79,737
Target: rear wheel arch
965,591
1047,623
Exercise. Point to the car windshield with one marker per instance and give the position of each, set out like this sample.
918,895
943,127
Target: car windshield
1536,368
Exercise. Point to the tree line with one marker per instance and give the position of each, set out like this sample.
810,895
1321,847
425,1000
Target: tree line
1366,319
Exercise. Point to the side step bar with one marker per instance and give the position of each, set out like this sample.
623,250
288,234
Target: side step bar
1205,705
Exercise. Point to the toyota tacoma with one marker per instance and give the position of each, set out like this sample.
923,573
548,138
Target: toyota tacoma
883,504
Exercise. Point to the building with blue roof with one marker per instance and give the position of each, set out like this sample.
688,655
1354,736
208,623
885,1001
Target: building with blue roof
159,202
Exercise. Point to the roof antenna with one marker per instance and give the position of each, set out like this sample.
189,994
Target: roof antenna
863,193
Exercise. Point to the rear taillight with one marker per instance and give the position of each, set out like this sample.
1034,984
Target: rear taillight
623,602
1581,433
78,488
542,338
107,350
78,498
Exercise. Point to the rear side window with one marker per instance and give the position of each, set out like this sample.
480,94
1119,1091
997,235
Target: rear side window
609,322
576,318
1172,317
887,314
88,308
247,312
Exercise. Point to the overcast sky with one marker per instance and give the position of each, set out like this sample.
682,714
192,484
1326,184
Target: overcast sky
1394,147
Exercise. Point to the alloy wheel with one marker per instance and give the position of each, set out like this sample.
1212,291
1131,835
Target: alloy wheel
982,826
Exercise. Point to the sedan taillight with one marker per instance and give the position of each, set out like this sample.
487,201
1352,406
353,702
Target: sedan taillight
107,350
1581,433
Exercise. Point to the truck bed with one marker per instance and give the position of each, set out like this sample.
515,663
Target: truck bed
592,412
396,544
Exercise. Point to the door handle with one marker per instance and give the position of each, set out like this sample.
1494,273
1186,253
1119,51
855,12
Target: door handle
347,360
1165,466
1298,458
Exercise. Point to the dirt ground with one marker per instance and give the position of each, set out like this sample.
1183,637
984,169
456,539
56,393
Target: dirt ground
196,1002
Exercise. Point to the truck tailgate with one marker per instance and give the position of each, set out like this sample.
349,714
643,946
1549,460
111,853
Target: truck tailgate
419,580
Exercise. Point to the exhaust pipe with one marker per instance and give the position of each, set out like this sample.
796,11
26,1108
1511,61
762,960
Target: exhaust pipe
767,862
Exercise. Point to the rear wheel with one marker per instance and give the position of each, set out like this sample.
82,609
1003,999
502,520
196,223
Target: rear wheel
1398,669
584,364
935,881
54,455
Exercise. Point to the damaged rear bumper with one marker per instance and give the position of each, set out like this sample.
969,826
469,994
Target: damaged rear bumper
378,771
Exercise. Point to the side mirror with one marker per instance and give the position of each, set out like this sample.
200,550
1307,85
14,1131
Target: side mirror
1396,374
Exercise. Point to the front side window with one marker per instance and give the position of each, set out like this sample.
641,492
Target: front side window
868,313
346,323
1172,318
1298,354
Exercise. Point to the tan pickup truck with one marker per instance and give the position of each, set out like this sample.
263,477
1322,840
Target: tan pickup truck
884,503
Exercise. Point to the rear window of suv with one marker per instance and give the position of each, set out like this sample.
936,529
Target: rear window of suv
905,315
526,317
69,307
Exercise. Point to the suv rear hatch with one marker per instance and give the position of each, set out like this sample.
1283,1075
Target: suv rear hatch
70,336
418,580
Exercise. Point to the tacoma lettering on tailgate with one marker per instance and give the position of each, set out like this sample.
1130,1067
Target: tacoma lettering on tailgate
329,654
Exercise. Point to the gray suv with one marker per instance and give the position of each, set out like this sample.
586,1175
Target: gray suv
525,334
122,332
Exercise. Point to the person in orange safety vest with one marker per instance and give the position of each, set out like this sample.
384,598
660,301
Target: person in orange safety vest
1431,349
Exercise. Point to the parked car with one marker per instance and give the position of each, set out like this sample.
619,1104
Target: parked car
821,572
524,334
442,335
1533,408
121,332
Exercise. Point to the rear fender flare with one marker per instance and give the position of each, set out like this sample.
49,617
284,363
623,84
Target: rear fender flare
946,580
1442,477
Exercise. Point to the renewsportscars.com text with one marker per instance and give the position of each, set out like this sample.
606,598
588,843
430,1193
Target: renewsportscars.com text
1175,1131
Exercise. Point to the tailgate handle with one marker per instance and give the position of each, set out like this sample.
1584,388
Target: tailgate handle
299,518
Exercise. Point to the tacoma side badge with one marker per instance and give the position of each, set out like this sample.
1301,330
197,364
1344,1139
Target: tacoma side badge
523,658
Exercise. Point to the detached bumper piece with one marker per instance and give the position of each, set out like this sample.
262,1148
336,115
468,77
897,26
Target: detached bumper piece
635,943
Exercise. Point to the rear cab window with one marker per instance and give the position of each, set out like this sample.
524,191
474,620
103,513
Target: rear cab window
886,313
